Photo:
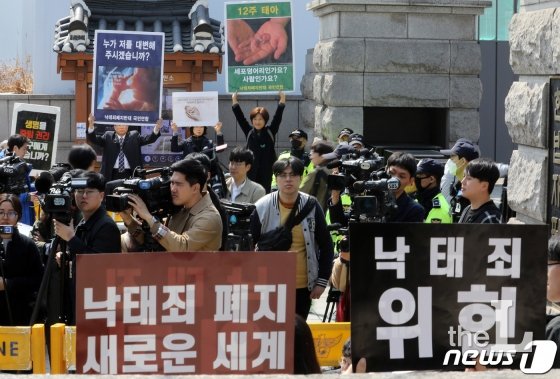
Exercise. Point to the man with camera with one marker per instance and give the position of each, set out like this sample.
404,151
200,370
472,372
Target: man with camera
196,226
95,233
401,166
18,182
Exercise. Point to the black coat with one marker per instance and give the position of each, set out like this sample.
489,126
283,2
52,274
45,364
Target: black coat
193,144
99,234
22,270
261,143
109,141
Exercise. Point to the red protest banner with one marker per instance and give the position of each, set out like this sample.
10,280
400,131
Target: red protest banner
183,313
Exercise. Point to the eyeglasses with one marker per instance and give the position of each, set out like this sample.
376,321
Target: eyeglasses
236,164
287,175
9,214
87,193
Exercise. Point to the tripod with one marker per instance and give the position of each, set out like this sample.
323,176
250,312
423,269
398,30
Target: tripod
239,242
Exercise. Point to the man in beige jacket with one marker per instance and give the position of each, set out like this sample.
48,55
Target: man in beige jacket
241,189
197,226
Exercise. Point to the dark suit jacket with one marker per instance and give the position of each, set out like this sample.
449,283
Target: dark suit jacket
110,144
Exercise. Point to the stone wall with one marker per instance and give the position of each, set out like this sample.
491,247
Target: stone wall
535,56
374,53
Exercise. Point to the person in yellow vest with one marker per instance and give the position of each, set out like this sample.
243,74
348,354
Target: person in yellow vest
298,140
428,193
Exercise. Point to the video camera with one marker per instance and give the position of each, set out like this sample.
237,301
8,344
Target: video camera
353,167
58,201
13,175
364,179
239,220
6,229
155,191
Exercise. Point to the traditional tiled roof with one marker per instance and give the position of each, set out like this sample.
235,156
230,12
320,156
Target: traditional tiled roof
180,20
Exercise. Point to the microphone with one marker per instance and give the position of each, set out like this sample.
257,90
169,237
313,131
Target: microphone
221,148
335,163
391,184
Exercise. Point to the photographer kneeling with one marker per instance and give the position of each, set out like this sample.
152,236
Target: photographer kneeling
197,226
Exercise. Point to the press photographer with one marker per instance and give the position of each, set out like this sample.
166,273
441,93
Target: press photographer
21,268
385,200
197,226
95,233
14,175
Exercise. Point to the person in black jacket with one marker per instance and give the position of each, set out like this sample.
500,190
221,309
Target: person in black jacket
260,138
197,142
21,268
95,233
478,183
113,142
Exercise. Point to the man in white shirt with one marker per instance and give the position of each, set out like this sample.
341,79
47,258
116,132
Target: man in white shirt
241,189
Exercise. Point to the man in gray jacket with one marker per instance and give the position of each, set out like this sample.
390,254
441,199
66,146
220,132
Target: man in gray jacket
241,189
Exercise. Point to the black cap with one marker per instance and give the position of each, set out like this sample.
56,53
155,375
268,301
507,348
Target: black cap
345,132
463,148
298,133
430,167
356,138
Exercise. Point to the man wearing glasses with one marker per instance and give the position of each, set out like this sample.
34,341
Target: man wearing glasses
95,233
241,189
311,242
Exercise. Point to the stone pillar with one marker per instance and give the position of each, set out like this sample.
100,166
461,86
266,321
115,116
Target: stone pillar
394,53
535,56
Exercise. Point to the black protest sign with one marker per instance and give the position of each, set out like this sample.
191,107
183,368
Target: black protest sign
417,287
40,124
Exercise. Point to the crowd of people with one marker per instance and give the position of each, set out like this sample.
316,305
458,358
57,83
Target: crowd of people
291,193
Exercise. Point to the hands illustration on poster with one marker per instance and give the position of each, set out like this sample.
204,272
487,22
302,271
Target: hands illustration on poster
249,47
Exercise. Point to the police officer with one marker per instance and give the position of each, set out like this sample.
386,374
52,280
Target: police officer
298,140
427,180
344,135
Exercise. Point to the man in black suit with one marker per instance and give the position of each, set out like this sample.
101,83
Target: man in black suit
121,149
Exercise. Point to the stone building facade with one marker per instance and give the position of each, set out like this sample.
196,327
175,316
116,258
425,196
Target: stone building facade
397,54
535,57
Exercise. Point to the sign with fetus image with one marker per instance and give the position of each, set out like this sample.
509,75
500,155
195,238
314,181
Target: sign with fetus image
195,108
127,77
